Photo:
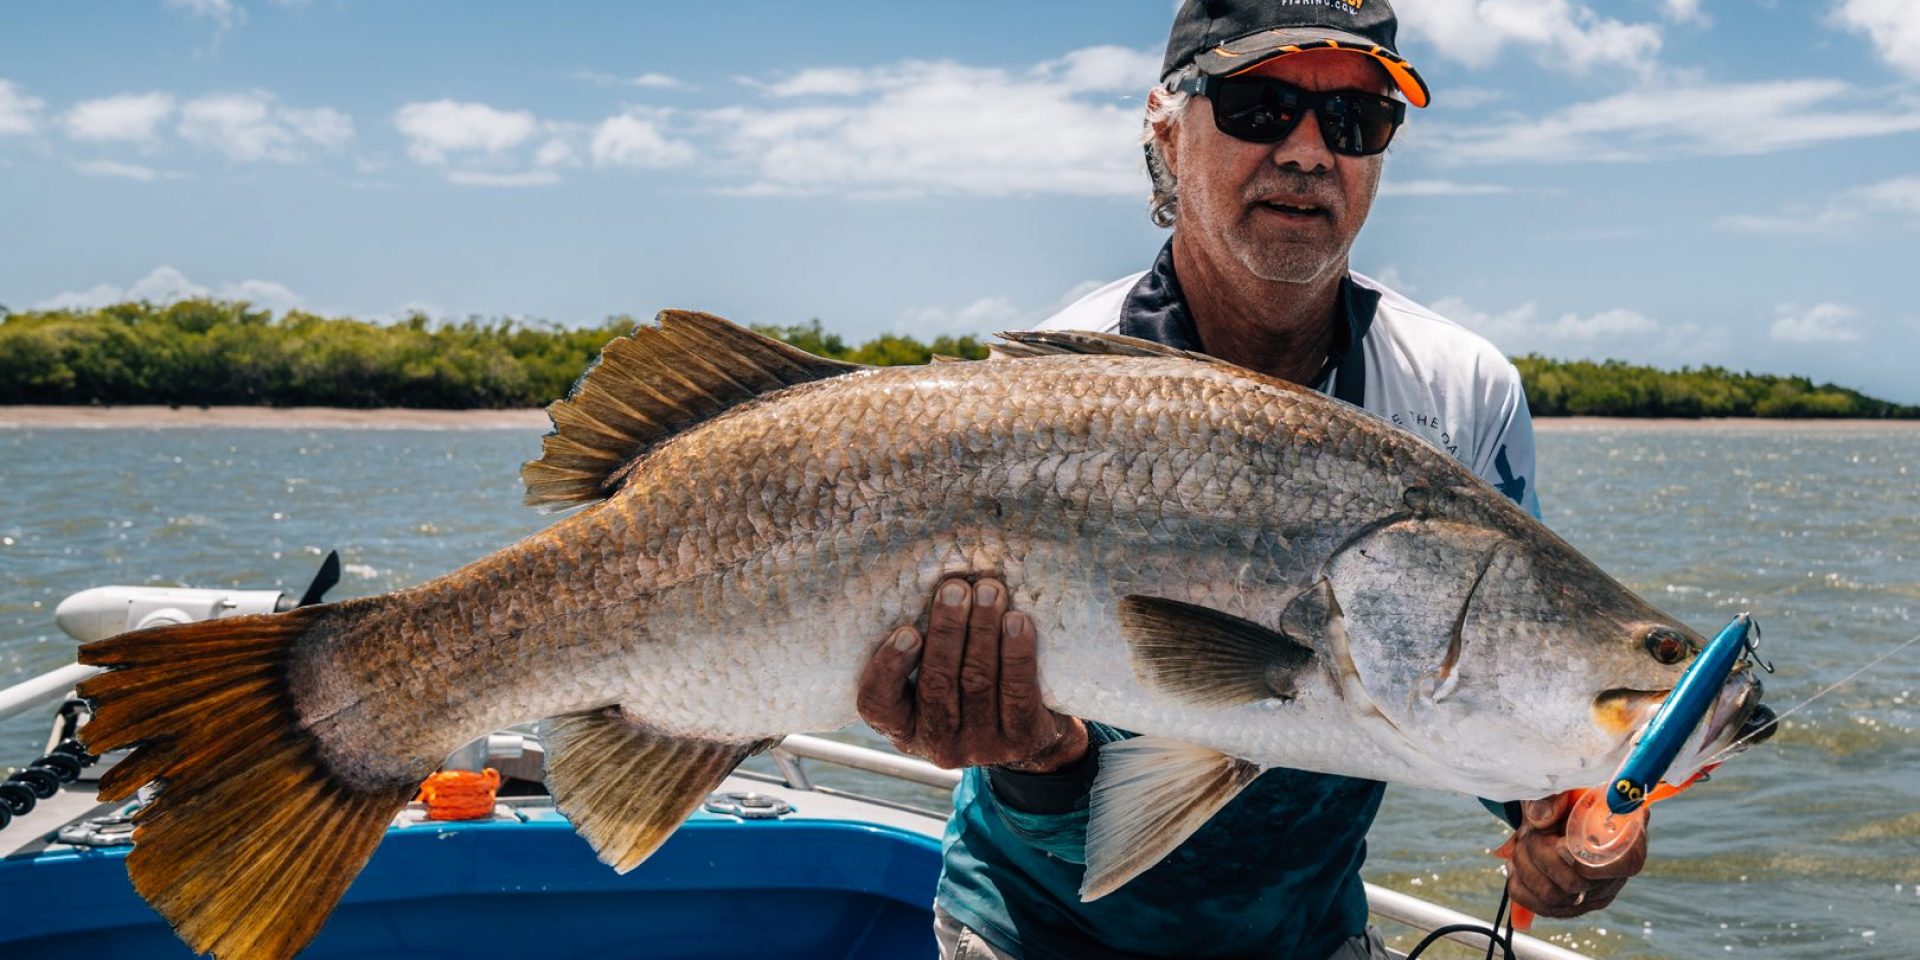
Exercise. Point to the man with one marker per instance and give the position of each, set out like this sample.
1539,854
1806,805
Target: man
1264,141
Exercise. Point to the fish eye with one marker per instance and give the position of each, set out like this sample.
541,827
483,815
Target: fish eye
1666,646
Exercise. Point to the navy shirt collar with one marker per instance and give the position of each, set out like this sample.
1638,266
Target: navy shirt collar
1156,310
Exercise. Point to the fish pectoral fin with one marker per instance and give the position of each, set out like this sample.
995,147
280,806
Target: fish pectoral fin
649,385
1151,794
1022,345
627,788
1209,657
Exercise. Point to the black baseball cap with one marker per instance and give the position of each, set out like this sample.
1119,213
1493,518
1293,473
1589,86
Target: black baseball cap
1225,37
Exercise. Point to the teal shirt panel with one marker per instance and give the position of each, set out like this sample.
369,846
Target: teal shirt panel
1275,874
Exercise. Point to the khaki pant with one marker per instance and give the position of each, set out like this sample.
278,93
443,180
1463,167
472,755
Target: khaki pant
959,942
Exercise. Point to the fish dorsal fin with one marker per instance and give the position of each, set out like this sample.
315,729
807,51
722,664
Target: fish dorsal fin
649,385
1208,657
625,787
1151,794
1021,345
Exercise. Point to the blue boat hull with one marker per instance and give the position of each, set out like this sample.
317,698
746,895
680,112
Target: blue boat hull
720,888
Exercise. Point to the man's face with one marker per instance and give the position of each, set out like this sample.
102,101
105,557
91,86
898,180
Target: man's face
1285,211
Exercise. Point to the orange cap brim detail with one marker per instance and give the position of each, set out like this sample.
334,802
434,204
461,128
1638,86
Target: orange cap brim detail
1402,73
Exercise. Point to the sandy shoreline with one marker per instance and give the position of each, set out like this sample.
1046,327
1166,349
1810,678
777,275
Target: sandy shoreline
397,418
281,418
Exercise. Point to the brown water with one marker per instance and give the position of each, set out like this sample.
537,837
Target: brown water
1806,847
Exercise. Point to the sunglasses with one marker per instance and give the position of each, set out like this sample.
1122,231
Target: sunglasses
1264,110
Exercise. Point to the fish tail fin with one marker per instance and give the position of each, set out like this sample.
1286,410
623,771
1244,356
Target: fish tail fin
249,841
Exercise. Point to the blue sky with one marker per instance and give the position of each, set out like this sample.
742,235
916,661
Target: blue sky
1665,181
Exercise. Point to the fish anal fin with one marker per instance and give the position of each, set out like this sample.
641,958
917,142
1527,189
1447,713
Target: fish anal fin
1209,657
1151,794
1056,343
649,385
625,787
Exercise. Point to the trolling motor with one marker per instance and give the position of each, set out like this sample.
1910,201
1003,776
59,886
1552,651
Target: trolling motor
103,612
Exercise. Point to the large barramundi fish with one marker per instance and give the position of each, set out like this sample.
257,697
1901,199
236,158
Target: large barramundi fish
1248,573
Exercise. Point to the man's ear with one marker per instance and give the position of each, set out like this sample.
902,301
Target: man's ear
1163,135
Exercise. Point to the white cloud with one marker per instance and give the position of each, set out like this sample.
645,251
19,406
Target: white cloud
1393,279
434,130
821,82
165,284
1892,25
1821,323
222,12
986,315
645,81
1560,33
134,117
636,140
920,127
19,113
1733,119
1898,197
1615,333
321,125
482,178
1439,188
254,126
555,153
1684,11
1106,69
125,171
653,81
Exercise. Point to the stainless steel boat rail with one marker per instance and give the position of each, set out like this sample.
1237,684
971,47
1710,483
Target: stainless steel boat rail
43,689
1391,905
1386,904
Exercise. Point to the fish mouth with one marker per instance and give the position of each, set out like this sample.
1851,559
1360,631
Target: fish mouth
1737,720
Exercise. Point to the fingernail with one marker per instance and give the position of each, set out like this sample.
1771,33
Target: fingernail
905,639
1015,622
954,593
986,595
1538,812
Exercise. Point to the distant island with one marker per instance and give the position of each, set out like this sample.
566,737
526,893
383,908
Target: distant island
217,353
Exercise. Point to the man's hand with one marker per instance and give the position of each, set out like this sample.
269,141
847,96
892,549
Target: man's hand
1546,879
977,700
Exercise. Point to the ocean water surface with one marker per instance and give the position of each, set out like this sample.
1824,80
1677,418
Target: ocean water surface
1808,846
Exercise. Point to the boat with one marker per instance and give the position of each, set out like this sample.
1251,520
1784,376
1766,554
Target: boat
777,863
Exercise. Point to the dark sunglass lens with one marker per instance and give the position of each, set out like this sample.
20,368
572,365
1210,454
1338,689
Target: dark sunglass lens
1357,126
1255,111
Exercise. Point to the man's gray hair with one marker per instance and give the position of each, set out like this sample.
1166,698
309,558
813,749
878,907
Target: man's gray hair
1165,108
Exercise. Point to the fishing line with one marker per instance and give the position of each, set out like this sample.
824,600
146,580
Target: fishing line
1742,742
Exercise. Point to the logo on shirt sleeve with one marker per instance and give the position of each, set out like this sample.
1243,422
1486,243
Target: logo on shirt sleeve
1514,487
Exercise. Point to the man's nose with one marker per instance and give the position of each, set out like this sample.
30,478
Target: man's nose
1305,148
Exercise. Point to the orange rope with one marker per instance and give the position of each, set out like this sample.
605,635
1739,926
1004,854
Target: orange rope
460,794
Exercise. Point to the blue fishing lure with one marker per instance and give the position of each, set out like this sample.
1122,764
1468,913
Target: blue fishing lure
1678,715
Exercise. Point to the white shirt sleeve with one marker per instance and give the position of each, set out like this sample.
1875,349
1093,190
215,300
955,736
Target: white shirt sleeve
1506,453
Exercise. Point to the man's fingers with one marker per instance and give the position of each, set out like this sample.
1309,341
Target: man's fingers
937,713
980,674
1544,882
885,700
1024,717
1547,813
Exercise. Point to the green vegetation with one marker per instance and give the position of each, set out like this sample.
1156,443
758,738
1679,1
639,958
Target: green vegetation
1558,388
204,352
